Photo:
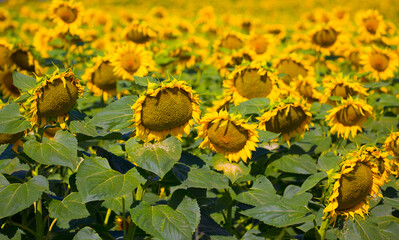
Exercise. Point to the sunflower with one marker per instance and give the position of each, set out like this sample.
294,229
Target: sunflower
252,81
101,78
371,25
348,117
67,15
228,134
293,65
263,45
168,108
23,59
380,158
5,53
6,138
221,104
139,32
119,223
391,145
278,31
306,87
382,63
326,39
356,183
55,96
229,62
7,88
290,117
232,41
342,86
131,59
184,58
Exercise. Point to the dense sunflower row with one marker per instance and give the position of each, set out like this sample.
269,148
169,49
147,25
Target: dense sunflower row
326,59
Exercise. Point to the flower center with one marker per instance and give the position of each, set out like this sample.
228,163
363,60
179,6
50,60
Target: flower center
56,99
306,90
250,84
371,24
260,44
354,58
7,80
325,38
343,91
355,186
292,69
130,62
171,108
67,14
6,138
21,59
379,61
232,42
137,36
285,122
104,77
349,116
2,17
229,137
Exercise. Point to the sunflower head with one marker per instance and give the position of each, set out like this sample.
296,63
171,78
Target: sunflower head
168,108
381,62
228,134
355,184
392,144
23,58
290,117
5,53
67,15
54,97
348,117
325,37
342,86
293,66
372,25
119,223
252,81
139,32
7,88
233,41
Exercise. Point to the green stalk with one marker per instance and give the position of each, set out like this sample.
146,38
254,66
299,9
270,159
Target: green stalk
123,217
39,220
324,227
282,233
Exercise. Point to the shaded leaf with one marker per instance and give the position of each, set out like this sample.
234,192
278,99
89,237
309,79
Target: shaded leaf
311,181
71,207
11,120
266,136
16,197
205,178
328,161
360,229
116,204
143,81
190,209
23,82
251,106
87,233
62,150
303,164
262,192
233,171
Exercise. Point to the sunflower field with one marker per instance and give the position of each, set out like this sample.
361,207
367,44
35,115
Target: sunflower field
199,120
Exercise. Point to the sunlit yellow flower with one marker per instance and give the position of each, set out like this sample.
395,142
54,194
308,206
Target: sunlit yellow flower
205,15
132,60
222,104
55,96
371,25
380,158
7,88
185,26
278,31
119,223
253,81
231,41
326,39
67,15
306,87
5,53
391,145
355,184
342,86
382,63
352,55
262,45
348,117
290,117
101,79
139,32
159,12
228,134
170,108
293,66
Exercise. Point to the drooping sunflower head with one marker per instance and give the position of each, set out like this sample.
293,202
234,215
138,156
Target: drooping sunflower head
222,104
348,117
131,60
342,86
229,62
290,117
391,144
306,87
101,78
53,98
7,88
233,41
382,63
67,15
5,53
293,66
371,25
252,81
184,58
23,58
170,108
325,38
228,134
356,183
379,158
139,32
119,223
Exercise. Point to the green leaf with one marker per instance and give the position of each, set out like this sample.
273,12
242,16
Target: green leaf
87,233
393,202
116,204
23,82
72,207
3,181
97,181
328,161
117,115
374,85
252,234
251,106
388,100
205,178
161,221
158,158
262,192
11,120
266,136
85,127
144,81
233,171
311,181
190,209
303,164
360,229
16,197
62,150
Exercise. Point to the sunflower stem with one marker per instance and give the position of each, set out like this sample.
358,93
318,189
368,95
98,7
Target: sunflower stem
123,217
324,227
228,218
281,235
39,220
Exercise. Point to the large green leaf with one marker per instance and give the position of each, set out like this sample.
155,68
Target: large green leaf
62,150
23,82
205,178
97,181
303,164
312,180
266,136
116,204
158,158
393,202
233,171
87,233
190,209
262,192
328,161
3,181
72,207
16,197
117,115
11,120
161,221
360,229
251,106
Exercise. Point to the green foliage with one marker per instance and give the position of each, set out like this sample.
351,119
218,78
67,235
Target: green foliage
87,233
23,82
11,120
72,207
303,164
